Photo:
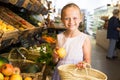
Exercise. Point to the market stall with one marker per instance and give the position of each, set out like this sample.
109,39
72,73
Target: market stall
20,40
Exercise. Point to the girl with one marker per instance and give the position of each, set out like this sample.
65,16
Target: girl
76,43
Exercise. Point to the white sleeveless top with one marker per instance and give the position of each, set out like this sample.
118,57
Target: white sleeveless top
73,47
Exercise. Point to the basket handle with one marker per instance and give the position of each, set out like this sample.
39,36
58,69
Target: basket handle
87,65
18,51
22,48
21,54
9,56
23,60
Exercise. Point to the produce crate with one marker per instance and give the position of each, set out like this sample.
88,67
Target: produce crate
23,65
22,28
28,67
15,20
8,39
8,34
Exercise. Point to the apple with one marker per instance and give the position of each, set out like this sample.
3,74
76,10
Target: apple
61,52
7,69
16,70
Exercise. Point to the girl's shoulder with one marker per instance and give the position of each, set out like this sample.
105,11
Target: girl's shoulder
83,34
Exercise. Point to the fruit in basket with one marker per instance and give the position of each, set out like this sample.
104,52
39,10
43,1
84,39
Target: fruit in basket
27,78
1,76
61,52
7,69
3,60
16,77
16,70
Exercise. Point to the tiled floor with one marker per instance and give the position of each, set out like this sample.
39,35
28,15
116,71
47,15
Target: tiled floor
110,67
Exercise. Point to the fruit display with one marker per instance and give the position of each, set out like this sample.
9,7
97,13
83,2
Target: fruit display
19,22
7,72
20,70
6,27
10,72
13,28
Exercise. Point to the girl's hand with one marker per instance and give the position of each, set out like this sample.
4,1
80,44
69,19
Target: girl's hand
55,55
80,65
83,64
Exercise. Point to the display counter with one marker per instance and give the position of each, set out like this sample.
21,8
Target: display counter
101,39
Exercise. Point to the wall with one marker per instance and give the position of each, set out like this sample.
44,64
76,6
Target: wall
101,39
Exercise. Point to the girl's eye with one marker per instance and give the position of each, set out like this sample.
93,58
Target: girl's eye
75,18
67,18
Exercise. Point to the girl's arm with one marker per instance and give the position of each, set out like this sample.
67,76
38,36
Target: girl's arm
87,50
86,53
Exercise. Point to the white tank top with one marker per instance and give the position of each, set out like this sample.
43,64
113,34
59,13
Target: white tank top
73,47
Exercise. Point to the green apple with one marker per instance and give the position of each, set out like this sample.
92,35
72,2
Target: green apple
1,63
3,60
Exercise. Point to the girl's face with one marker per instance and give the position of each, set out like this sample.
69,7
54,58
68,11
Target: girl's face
71,18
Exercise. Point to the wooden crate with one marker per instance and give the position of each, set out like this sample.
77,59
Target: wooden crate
13,19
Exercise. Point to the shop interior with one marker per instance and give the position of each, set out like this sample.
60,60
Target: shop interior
27,27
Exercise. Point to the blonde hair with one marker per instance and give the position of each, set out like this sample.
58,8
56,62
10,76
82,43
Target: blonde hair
69,5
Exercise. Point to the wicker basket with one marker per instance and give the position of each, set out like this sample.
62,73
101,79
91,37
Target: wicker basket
70,72
23,53
23,63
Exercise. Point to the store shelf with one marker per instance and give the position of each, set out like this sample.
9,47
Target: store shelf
23,29
35,6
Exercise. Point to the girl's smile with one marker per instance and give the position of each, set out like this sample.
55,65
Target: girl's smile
71,18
